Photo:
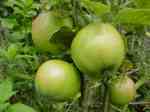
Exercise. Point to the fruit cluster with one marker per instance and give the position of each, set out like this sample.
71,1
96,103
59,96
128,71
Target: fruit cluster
96,48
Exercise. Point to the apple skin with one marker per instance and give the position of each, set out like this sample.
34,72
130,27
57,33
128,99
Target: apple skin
97,47
122,91
58,79
44,26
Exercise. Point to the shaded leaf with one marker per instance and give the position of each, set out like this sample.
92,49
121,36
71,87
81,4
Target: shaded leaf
63,36
16,36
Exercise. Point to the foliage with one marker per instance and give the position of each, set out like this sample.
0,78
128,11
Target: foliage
19,58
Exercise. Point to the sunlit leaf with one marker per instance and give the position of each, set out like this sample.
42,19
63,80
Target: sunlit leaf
133,16
11,51
5,90
97,7
9,22
3,106
19,107
143,3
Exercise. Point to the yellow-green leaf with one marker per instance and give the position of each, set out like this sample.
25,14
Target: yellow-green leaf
19,107
97,7
5,90
133,16
143,3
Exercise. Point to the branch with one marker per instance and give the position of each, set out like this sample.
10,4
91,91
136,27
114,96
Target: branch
140,103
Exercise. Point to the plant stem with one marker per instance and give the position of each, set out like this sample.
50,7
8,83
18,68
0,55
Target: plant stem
22,76
106,100
88,94
75,11
85,95
140,103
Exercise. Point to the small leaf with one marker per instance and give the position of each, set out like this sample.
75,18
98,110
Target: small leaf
97,7
12,51
143,3
16,36
19,107
9,3
5,90
133,16
27,3
9,22
147,34
3,106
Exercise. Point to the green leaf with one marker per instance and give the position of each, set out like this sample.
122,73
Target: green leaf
12,51
142,3
3,106
9,3
27,3
19,107
16,36
97,7
133,16
63,37
9,22
20,3
5,90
